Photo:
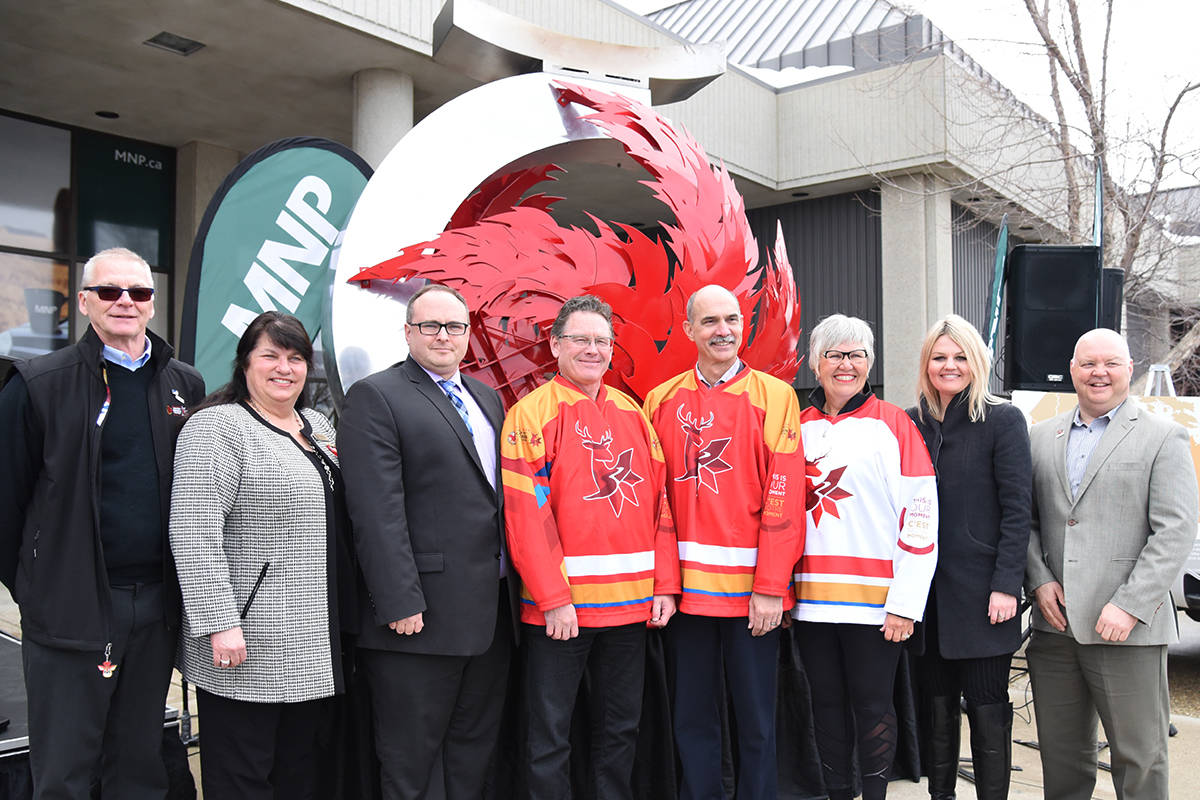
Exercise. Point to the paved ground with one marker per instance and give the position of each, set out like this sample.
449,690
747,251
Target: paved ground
1183,668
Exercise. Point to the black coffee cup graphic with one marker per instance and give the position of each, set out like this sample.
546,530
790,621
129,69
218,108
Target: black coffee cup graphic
44,307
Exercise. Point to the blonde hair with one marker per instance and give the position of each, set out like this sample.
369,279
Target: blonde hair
963,334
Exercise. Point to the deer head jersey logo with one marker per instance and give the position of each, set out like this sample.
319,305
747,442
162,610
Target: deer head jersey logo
701,460
614,476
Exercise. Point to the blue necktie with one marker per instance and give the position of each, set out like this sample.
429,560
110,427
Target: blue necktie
452,391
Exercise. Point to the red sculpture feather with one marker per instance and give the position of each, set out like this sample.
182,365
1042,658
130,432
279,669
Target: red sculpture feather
516,265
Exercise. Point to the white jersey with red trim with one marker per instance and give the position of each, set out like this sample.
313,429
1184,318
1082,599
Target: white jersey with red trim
871,545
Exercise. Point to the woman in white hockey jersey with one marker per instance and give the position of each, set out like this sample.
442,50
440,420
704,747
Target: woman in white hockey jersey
869,555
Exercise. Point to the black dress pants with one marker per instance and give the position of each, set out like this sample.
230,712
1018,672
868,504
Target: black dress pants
86,728
259,751
851,672
615,661
423,705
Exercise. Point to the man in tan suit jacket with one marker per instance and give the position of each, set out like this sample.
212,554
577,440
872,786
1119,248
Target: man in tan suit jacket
1114,517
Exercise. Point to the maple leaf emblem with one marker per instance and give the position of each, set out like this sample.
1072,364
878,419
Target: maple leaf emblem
614,477
535,440
617,482
823,496
707,464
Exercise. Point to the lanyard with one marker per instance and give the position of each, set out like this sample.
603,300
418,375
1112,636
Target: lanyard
107,397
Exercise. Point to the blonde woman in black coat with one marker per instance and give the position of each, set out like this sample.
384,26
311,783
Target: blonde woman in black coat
979,446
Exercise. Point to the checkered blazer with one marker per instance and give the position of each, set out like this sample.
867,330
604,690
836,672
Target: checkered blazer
245,495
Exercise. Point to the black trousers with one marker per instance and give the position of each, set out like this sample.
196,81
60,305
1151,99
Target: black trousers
615,661
851,672
425,704
86,728
700,650
259,751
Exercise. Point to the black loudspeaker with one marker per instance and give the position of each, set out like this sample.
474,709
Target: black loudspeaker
1112,297
1053,299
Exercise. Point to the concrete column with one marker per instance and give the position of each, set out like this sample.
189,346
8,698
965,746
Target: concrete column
199,169
918,275
383,112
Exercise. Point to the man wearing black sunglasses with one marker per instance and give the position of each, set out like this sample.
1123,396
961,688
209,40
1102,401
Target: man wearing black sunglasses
85,483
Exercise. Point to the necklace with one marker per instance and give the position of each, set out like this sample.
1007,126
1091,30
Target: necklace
262,412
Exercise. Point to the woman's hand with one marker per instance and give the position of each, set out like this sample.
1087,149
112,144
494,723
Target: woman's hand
229,648
1001,607
897,629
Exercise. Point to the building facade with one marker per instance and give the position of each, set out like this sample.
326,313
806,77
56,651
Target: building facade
119,119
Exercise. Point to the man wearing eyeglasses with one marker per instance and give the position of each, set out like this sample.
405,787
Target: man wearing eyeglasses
583,478
735,482
85,482
418,447
1114,517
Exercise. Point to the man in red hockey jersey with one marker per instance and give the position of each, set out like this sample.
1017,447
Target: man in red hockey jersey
735,483
583,475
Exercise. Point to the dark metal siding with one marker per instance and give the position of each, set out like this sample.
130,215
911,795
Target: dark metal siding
833,244
973,241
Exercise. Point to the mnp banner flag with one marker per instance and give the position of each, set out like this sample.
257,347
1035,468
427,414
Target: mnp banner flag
267,242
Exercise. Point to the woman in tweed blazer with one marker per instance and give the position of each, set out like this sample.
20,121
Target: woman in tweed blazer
256,532
979,446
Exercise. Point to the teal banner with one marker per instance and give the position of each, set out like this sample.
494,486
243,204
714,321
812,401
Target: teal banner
266,244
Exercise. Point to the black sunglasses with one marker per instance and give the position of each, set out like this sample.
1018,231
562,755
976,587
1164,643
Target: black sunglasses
110,294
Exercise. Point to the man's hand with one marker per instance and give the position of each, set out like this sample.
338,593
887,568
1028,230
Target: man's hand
562,623
1051,602
1001,607
766,612
662,610
409,625
896,629
229,648
1115,623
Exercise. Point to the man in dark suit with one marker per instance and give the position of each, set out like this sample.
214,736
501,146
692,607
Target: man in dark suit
1114,517
419,450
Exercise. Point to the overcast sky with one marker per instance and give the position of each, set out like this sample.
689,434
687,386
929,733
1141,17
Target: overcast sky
1153,53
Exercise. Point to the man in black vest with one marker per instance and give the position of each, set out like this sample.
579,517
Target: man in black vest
85,482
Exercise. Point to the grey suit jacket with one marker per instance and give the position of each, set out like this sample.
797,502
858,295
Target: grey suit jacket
1126,535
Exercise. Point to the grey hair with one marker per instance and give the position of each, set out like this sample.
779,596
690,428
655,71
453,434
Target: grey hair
585,302
115,253
838,328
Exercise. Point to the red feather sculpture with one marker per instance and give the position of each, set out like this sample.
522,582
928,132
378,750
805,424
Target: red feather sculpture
516,265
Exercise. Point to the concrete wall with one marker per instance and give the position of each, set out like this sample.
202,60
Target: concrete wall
410,22
734,119
405,22
874,122
917,274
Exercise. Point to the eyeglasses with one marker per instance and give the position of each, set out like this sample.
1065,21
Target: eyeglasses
431,328
836,356
110,294
601,342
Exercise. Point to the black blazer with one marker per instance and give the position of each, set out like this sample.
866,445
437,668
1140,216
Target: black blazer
427,525
985,484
